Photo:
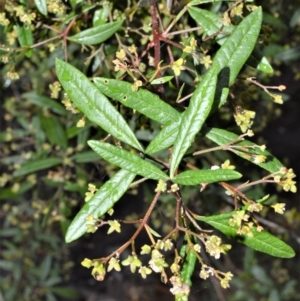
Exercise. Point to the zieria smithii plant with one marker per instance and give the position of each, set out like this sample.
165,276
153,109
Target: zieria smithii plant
163,103
142,84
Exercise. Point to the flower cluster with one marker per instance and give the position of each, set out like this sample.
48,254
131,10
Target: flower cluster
91,224
177,66
3,20
69,105
56,7
180,289
240,219
133,262
207,271
191,45
90,193
244,118
285,179
214,246
226,165
225,281
98,271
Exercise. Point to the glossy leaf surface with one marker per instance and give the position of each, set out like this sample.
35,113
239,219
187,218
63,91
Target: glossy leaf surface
234,52
165,138
127,160
90,101
194,117
261,241
161,80
143,101
211,24
96,34
222,137
195,177
189,267
100,203
41,6
239,45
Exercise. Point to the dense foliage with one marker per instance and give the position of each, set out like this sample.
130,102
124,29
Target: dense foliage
155,91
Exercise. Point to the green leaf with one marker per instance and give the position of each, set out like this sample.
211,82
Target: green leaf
195,177
222,137
154,233
54,131
45,267
165,138
101,15
143,101
41,6
261,241
100,203
96,34
36,165
162,80
66,292
194,117
25,38
189,267
259,61
84,157
45,102
127,160
239,45
211,23
197,2
82,9
91,102
235,51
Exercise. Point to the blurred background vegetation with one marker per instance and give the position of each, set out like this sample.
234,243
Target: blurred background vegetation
38,134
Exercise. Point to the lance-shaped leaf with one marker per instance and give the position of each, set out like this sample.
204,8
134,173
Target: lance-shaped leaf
197,2
54,131
100,203
127,160
84,157
189,264
211,24
25,37
222,137
143,101
235,51
261,241
165,138
84,8
91,102
195,177
162,80
36,165
96,34
45,102
194,117
239,45
41,6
